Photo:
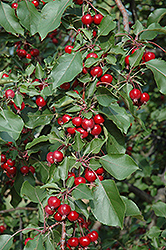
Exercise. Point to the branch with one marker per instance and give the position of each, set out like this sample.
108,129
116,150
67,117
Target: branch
124,14
140,193
19,208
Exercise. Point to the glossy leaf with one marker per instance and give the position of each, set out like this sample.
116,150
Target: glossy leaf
158,67
78,144
42,138
63,168
104,96
153,30
6,242
107,205
51,15
36,243
39,72
156,16
34,194
131,208
119,166
67,67
94,146
106,26
82,192
160,209
137,27
136,57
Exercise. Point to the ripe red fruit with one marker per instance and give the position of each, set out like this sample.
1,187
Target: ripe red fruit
10,162
144,97
73,242
57,156
48,210
76,91
50,158
127,60
70,174
71,131
60,122
24,170
3,158
98,119
68,49
5,166
100,177
90,176
57,216
14,5
66,118
100,170
94,33
2,229
36,3
135,94
34,52
97,18
87,19
96,130
149,56
83,132
32,169
64,209
132,52
17,108
79,180
11,170
129,148
65,86
21,53
96,71
5,75
78,1
88,124
73,215
93,236
27,239
106,78
54,202
84,241
92,55
77,121
28,56
40,102
55,40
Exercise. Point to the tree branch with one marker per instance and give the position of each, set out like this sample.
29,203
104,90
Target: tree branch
124,14
19,208
140,193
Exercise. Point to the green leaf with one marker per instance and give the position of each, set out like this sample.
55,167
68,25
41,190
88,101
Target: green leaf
8,19
158,67
106,26
111,59
67,67
51,16
29,16
131,208
152,31
156,16
6,242
34,194
42,138
119,166
90,61
137,27
94,146
39,72
49,245
81,207
64,101
82,192
153,232
33,120
18,99
118,115
29,70
107,205
136,57
104,96
36,243
160,209
11,124
63,168
78,144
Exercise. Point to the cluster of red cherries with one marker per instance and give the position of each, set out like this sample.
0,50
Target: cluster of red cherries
83,125
26,51
8,166
62,212
2,229
147,56
53,35
138,97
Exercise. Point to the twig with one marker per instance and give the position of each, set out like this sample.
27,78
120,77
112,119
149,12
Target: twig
124,14
18,208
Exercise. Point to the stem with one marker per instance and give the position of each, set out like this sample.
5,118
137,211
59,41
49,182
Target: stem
157,46
124,14
18,208
63,236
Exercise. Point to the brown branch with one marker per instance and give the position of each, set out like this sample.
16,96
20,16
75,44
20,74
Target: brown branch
140,193
63,236
124,14
18,208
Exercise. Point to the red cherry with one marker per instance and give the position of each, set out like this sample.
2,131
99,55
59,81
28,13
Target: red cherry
70,174
5,166
93,236
96,130
40,102
34,52
77,121
73,216
12,170
88,124
97,18
50,158
66,118
24,170
135,94
100,170
94,33
26,240
79,180
65,86
144,97
5,75
2,228
87,19
57,216
96,71
106,78
83,132
81,220
21,53
68,49
90,176
84,70
48,210
64,209
129,148
57,156
54,202
100,177
55,40
84,241
19,109
71,131
60,121
92,55
80,2
14,5
98,119
76,91
73,242
10,162
28,56
132,52
127,62
3,158
32,169
36,3
149,56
